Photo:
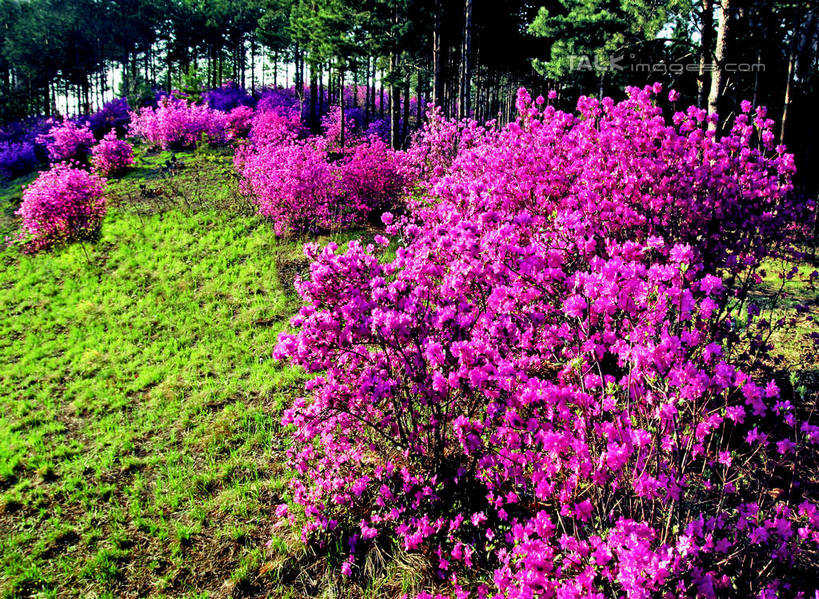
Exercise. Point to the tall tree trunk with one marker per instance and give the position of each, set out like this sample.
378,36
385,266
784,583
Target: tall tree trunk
394,104
786,103
381,101
719,58
405,127
321,89
419,102
706,35
253,62
313,99
465,104
341,105
437,82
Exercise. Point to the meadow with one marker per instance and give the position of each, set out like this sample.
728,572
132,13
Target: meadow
505,361
140,445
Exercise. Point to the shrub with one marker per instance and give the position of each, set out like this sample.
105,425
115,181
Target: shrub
115,114
112,156
353,124
17,159
239,121
175,123
372,177
68,141
296,183
541,382
63,204
275,126
227,97
293,185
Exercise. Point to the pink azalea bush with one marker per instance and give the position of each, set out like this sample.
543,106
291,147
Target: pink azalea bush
543,383
372,177
68,141
293,184
301,185
331,126
176,123
65,203
276,125
112,156
239,122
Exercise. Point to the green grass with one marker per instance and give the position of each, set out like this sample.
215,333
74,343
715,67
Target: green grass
140,450
139,402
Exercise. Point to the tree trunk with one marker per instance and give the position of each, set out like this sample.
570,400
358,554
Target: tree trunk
791,60
405,128
706,35
465,104
437,82
381,101
313,99
394,104
341,105
719,58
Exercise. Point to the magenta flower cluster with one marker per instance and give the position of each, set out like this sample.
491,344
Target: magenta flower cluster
176,123
68,141
543,382
308,183
112,156
64,204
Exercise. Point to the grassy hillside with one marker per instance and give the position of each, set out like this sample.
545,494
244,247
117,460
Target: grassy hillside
140,451
139,402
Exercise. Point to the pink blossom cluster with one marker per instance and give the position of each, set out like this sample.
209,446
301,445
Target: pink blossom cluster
542,383
304,183
331,125
239,121
176,123
112,156
65,203
68,141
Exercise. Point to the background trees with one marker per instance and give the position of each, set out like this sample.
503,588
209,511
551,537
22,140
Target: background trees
468,56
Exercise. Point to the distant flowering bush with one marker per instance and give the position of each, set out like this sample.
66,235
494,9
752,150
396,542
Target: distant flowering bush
293,184
112,156
227,97
175,123
372,177
542,381
68,141
276,97
276,125
239,122
65,203
115,114
331,125
17,158
306,184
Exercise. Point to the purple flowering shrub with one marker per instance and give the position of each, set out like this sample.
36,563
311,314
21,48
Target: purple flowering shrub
64,203
68,141
239,122
293,184
115,114
227,97
175,123
112,156
540,384
304,184
276,125
372,177
17,158
331,125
